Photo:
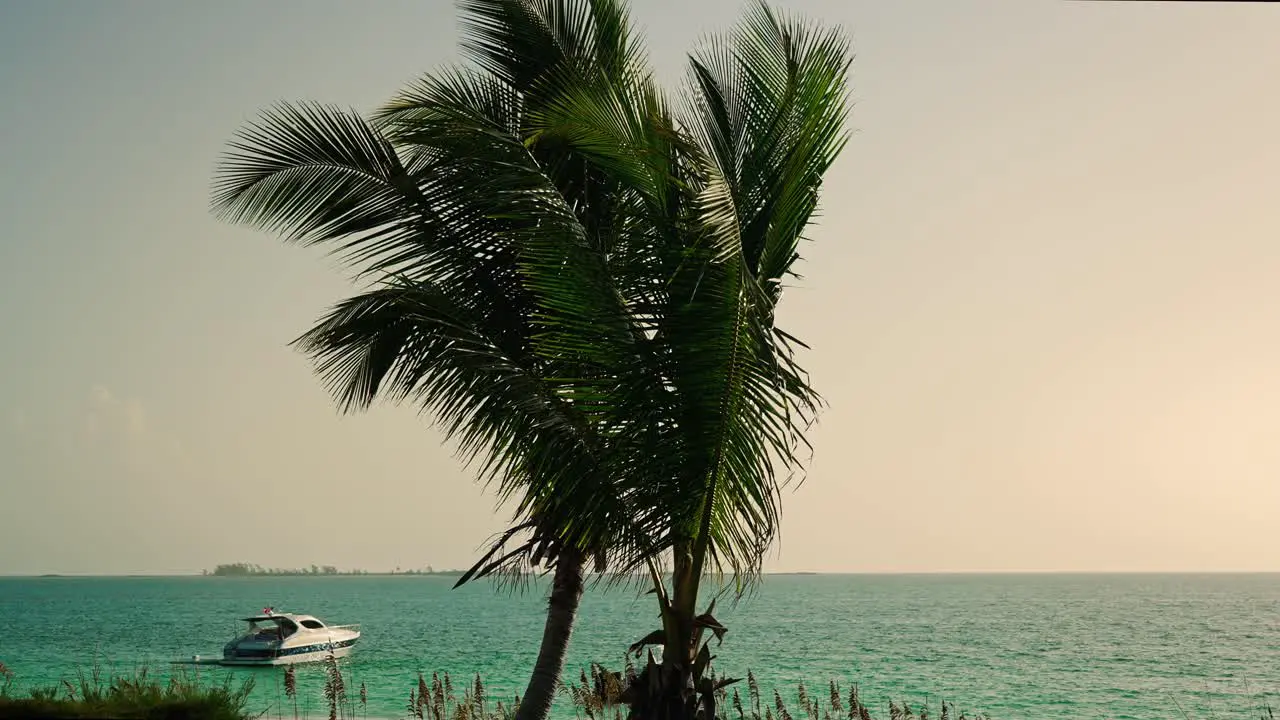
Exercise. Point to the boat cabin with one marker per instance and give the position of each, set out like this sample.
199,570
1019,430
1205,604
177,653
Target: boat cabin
279,626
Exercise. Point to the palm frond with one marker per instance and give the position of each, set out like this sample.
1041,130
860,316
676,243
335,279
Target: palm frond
769,106
416,340
540,444
541,47
311,173
766,113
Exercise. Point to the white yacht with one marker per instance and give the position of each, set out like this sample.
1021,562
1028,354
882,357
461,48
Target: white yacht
282,638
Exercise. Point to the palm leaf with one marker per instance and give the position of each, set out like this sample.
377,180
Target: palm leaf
541,47
457,216
766,112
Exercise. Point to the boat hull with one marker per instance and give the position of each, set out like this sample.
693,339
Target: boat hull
315,652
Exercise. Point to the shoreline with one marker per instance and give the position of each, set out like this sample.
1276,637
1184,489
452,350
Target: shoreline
210,576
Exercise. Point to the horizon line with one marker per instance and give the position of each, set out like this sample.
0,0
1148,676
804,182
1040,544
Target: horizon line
145,575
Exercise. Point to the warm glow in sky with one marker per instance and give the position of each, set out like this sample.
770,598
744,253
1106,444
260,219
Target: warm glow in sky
1044,296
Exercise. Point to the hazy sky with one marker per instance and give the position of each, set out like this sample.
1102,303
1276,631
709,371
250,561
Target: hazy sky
1042,298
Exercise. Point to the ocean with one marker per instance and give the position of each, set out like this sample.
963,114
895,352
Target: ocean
1012,646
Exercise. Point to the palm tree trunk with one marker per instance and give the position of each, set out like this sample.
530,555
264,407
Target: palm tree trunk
566,593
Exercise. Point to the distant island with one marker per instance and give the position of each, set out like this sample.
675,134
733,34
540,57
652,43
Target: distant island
252,570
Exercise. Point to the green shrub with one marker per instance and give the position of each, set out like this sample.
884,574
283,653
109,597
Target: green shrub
139,697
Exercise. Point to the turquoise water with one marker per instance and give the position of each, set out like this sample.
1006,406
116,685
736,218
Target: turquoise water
1014,646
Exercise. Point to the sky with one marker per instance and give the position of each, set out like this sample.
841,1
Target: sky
1042,294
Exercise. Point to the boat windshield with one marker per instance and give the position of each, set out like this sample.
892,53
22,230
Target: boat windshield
273,628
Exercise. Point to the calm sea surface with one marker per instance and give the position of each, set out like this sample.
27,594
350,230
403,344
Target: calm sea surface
1013,646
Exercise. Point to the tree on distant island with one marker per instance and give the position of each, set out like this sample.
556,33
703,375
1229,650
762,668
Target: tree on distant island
249,569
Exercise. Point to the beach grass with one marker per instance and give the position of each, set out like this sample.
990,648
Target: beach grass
139,696
594,695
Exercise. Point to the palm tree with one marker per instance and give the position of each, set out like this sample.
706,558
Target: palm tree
433,200
580,283
707,402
